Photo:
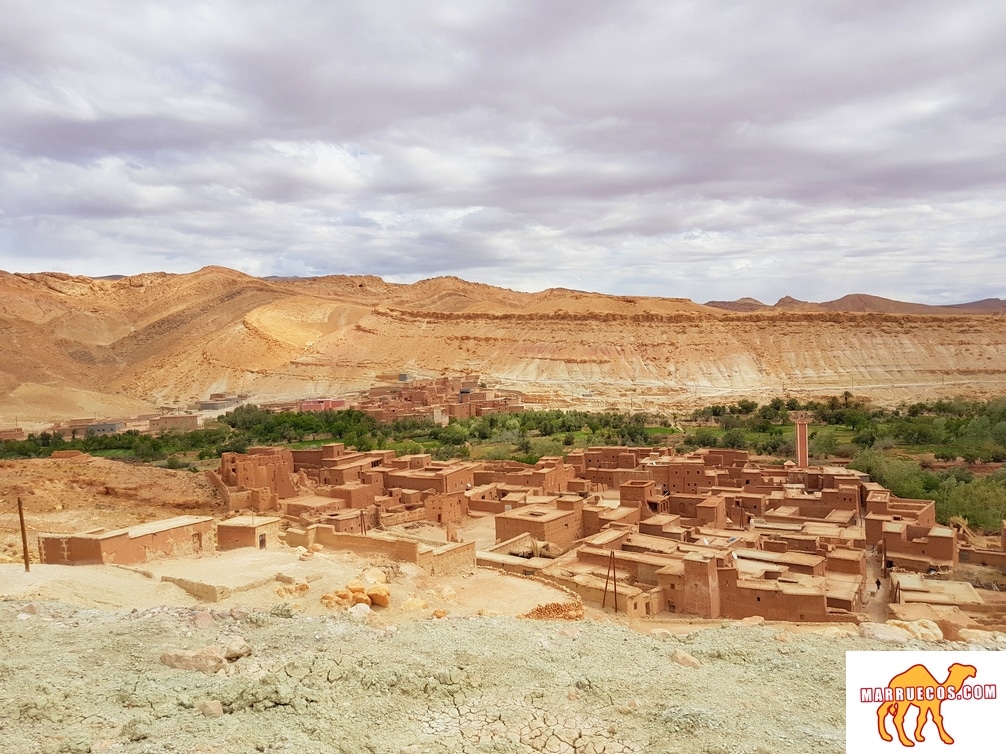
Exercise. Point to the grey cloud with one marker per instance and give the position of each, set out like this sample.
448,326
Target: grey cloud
708,150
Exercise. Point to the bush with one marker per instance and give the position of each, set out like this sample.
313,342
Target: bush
735,439
847,450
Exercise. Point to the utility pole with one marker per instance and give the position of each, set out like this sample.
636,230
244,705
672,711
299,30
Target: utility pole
24,536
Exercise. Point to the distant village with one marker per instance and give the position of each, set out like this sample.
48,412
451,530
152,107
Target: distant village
641,531
439,400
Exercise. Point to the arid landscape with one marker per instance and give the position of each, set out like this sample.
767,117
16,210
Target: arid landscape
502,377
77,346
135,657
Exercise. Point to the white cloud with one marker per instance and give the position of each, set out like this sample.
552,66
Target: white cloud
709,150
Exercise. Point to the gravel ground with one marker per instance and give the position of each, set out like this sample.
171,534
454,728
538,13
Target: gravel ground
85,680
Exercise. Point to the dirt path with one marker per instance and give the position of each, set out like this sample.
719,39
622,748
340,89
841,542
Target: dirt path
877,600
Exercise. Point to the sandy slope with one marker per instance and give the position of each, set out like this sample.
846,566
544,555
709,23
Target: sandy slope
76,346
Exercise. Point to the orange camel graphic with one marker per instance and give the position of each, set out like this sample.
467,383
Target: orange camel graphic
913,678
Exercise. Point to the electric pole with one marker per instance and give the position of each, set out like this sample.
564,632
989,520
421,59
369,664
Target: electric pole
24,536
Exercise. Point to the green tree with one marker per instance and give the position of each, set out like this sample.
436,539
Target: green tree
823,443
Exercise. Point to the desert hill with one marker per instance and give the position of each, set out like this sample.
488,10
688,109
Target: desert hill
77,346
861,302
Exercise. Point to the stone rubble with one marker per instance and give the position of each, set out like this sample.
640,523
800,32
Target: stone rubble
123,681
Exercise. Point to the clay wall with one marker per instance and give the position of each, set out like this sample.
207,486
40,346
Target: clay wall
561,528
187,423
612,478
232,537
452,478
977,556
771,600
450,559
446,509
595,518
357,495
636,492
712,512
685,475
919,547
260,467
844,560
66,549
178,541
398,517
702,591
631,601
126,546
325,535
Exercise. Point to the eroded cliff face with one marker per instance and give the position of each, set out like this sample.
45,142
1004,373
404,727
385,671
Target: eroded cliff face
75,346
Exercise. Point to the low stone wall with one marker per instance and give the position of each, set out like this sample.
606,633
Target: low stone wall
450,559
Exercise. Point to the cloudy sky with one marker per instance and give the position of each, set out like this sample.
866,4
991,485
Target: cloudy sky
710,149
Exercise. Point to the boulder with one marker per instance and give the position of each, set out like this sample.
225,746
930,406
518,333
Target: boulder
379,595
884,632
203,619
981,638
360,611
683,658
210,708
414,603
237,648
208,660
924,630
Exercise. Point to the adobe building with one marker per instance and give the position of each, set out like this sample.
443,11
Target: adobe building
441,477
256,480
560,524
220,401
439,400
914,588
443,560
175,423
709,534
182,535
550,474
259,532
985,551
321,404
883,507
918,548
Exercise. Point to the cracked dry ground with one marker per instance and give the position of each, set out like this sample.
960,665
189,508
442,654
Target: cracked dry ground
78,681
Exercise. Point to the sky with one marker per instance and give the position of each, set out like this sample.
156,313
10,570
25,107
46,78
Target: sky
710,150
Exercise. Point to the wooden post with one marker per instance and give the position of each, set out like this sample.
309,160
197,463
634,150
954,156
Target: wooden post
614,580
610,576
607,575
24,537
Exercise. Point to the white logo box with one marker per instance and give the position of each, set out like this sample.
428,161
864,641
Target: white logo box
966,689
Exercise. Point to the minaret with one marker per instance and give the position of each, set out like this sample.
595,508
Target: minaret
802,448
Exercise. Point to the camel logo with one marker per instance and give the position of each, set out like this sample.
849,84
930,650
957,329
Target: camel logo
916,686
917,707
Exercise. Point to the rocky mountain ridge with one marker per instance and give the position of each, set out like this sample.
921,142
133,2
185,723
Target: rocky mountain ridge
78,346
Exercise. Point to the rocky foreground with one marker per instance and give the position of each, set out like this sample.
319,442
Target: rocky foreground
171,679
